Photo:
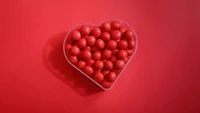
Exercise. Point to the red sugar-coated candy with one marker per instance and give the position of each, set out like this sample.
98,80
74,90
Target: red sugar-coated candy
113,58
106,84
118,40
122,29
74,50
76,35
108,65
81,43
97,70
106,54
130,51
116,34
115,25
122,54
85,30
98,65
88,70
111,44
123,44
81,64
96,32
105,72
87,48
114,51
129,34
106,26
67,47
105,36
119,64
117,71
131,44
100,44
86,55
112,76
98,77
73,59
97,55
126,59
91,40
90,62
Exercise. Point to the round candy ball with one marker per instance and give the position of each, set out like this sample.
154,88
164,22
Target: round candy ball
98,77
74,50
86,55
88,70
76,35
119,64
85,30
98,65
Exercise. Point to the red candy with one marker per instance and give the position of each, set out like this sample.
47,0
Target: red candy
130,51
96,32
88,70
98,77
105,72
74,50
114,51
85,30
123,44
116,34
86,55
106,26
129,35
126,59
106,84
122,29
81,43
87,48
97,55
115,25
122,54
101,52
105,36
76,35
119,64
90,62
108,65
100,44
107,54
81,64
131,44
68,46
73,59
98,65
111,44
91,40
113,58
112,76
117,71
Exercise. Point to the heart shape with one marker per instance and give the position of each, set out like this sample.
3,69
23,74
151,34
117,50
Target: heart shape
101,52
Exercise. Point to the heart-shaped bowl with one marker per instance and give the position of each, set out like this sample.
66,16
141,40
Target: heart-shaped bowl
118,73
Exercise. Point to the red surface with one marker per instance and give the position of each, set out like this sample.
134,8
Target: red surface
163,77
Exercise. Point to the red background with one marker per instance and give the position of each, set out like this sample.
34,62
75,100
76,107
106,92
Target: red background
163,77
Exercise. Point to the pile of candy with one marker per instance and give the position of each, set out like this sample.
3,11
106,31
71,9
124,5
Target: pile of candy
101,52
